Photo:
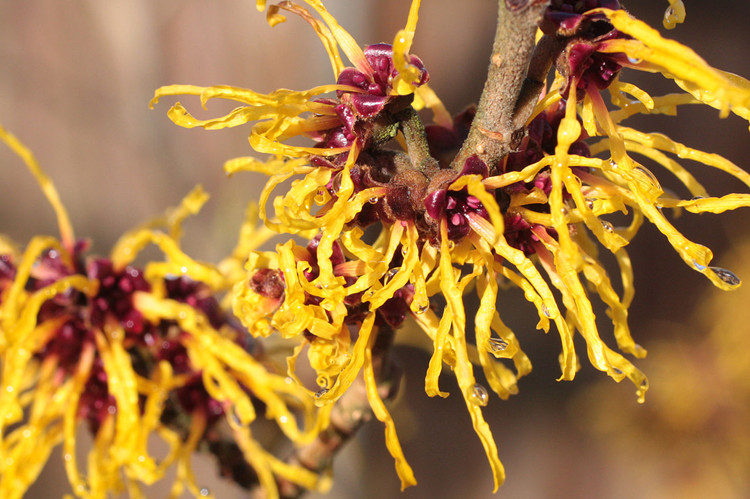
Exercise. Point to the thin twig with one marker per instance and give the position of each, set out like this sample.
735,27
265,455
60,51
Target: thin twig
514,81
351,411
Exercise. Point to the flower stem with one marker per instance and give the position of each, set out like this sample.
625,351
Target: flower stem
514,81
416,140
351,411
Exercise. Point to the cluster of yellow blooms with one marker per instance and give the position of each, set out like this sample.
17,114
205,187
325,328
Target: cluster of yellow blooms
392,236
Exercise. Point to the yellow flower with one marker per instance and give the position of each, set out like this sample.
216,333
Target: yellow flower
436,233
133,354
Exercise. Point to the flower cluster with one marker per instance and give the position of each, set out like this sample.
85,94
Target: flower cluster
398,228
385,220
131,352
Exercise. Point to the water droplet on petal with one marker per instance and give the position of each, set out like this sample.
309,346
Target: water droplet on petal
727,276
498,344
590,203
479,395
697,198
607,226
645,171
404,250
321,392
546,311
372,200
422,309
205,492
391,273
698,266
612,163
616,370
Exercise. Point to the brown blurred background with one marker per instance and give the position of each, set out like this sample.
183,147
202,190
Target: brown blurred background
75,82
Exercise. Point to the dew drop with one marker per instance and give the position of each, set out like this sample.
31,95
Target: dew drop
479,395
204,492
607,226
321,392
235,417
546,312
612,163
392,273
616,371
698,266
68,457
404,250
283,419
422,309
26,433
498,344
697,198
649,174
590,203
373,200
725,275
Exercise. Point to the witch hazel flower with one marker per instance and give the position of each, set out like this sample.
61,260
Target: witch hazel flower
369,95
457,207
403,230
135,354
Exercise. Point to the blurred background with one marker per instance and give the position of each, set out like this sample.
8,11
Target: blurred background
75,83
